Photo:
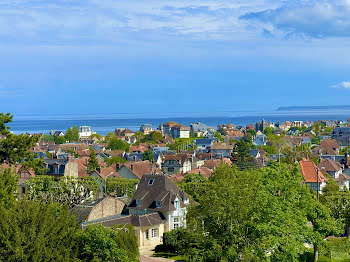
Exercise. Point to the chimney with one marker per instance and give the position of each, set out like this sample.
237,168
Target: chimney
346,160
132,167
135,186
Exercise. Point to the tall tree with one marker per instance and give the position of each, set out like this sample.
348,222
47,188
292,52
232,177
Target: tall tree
72,134
252,215
148,155
34,231
92,162
8,187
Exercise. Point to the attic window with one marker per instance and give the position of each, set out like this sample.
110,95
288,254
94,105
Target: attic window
138,202
150,182
158,204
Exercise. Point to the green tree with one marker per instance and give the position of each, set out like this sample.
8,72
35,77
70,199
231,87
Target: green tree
252,132
121,186
108,244
34,231
92,162
153,138
118,144
114,159
245,215
14,149
148,155
8,187
72,134
269,131
59,140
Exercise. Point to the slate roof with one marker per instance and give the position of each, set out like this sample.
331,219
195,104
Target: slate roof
329,143
162,189
342,177
135,220
329,165
82,211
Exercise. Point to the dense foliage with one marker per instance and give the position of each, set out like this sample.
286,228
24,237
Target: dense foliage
121,186
70,191
33,231
108,244
72,134
257,215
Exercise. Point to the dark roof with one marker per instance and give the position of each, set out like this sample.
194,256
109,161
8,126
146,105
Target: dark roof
162,189
135,220
82,211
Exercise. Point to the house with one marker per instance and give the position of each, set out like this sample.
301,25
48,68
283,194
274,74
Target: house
101,174
85,132
158,194
133,156
24,174
329,143
212,163
199,128
342,135
335,169
330,167
61,167
181,162
56,133
72,147
146,129
98,209
223,149
138,149
158,206
204,143
312,175
204,171
135,170
175,130
123,132
260,140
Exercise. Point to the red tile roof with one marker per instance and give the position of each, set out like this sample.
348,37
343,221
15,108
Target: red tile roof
309,170
204,171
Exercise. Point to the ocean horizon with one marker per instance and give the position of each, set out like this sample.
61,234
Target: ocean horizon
104,123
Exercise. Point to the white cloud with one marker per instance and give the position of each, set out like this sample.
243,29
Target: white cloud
305,18
342,85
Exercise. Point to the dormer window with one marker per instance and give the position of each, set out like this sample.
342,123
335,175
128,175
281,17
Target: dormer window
138,202
177,204
150,182
158,204
186,200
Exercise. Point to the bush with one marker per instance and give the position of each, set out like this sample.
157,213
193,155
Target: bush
177,241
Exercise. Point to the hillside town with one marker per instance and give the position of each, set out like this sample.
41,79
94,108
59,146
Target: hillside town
138,177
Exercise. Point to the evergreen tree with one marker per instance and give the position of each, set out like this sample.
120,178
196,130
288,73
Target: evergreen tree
8,187
93,162
148,155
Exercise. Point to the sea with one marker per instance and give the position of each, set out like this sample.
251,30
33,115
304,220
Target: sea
105,123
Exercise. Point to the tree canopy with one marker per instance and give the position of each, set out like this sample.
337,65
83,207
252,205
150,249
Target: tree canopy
72,134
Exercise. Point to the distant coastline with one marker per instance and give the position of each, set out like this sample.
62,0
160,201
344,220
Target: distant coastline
311,108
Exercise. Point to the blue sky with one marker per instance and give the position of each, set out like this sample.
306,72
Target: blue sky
174,56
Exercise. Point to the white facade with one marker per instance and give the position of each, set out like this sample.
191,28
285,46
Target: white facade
85,131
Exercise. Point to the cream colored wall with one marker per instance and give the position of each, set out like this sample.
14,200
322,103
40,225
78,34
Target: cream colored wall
151,242
108,207
71,170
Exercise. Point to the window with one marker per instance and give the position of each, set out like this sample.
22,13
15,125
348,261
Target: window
158,204
176,223
147,234
186,200
138,202
150,182
154,232
23,190
177,204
